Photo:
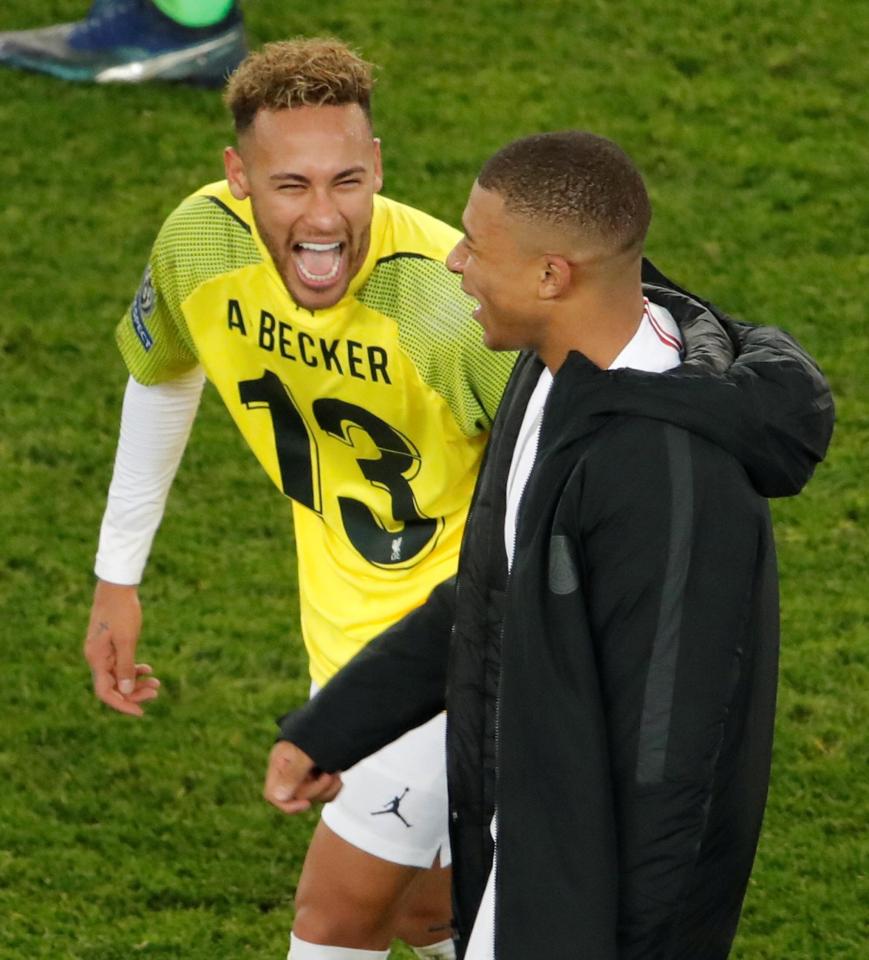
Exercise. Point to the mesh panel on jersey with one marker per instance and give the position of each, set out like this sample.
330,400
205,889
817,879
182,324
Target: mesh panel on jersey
438,333
201,240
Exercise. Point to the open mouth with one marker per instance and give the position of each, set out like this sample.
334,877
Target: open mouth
318,264
475,303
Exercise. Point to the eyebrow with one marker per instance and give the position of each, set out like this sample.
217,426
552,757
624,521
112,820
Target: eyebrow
300,178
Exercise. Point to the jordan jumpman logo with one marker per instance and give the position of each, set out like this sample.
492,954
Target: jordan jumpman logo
392,807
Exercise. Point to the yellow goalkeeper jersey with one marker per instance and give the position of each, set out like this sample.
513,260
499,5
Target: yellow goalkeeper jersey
371,416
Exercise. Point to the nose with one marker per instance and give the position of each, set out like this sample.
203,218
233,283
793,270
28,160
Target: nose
322,211
456,257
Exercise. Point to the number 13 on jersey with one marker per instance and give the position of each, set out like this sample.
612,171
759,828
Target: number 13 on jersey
408,534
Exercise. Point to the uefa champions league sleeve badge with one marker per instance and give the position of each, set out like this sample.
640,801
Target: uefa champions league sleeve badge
144,305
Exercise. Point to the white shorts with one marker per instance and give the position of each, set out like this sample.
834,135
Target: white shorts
393,804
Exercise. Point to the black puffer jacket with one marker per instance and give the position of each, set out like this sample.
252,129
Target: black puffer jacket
622,681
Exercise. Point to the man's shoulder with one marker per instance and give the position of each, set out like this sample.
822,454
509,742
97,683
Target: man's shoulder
404,231
635,453
207,234
409,280
211,209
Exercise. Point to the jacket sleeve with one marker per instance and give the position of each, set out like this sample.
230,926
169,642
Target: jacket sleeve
395,683
676,561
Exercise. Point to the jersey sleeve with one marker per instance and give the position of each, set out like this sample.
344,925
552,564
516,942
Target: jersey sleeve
482,376
152,335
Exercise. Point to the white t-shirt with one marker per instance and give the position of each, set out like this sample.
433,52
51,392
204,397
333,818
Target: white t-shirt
655,347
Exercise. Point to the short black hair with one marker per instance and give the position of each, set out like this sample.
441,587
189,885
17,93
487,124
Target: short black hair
575,180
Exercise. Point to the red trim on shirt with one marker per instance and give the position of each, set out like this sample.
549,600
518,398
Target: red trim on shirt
666,338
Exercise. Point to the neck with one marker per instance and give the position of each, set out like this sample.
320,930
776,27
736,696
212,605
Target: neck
598,319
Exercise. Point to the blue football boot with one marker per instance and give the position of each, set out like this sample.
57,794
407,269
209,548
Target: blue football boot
129,41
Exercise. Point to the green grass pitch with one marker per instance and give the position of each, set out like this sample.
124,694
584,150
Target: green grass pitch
121,838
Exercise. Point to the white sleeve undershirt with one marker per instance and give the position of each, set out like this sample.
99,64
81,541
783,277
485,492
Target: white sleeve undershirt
155,425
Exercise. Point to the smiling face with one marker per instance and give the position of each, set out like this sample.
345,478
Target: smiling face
311,174
501,271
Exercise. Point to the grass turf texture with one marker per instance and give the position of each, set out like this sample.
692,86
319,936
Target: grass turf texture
121,838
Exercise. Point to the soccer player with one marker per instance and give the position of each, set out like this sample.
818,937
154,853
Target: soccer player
348,358
608,654
131,41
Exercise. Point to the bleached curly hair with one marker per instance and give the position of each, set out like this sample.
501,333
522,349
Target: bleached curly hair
302,72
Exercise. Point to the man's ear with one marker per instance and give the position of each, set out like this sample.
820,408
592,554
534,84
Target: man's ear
378,166
235,174
554,277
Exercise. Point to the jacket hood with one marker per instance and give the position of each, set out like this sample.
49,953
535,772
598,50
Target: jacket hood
751,390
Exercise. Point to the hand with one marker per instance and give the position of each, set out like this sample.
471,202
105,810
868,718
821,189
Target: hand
110,649
293,783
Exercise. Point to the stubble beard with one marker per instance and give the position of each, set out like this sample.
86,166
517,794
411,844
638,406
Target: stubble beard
281,254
